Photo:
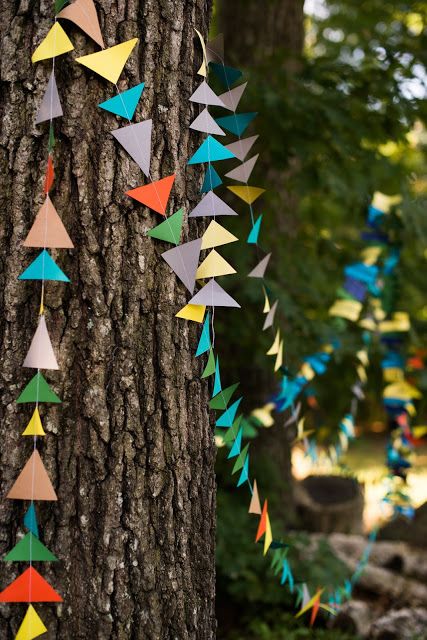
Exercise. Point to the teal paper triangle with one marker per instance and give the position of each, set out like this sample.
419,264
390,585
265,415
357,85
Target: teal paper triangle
254,232
244,476
217,383
226,419
30,520
221,400
240,462
125,103
230,435
237,123
205,338
210,151
227,75
211,181
170,229
43,268
235,449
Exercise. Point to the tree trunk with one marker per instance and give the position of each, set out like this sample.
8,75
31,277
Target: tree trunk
130,450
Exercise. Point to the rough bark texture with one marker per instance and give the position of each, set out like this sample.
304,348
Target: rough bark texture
130,451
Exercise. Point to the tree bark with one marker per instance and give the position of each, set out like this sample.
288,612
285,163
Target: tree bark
130,450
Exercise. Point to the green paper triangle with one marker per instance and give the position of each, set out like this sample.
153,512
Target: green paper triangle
30,548
170,229
231,434
240,462
221,400
210,366
60,4
38,390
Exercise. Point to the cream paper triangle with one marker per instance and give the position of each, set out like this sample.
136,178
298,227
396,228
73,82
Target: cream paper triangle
214,265
274,349
216,235
40,354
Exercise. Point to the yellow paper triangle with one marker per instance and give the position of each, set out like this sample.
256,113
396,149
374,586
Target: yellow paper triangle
266,302
268,535
310,603
34,427
216,235
194,312
109,63
274,349
32,626
55,43
214,265
307,371
247,194
279,357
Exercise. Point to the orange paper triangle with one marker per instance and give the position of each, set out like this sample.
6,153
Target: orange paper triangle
30,586
33,483
255,506
47,230
48,180
262,523
155,194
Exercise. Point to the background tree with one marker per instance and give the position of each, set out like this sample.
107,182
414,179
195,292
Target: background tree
130,451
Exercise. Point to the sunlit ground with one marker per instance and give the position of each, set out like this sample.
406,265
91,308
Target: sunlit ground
365,459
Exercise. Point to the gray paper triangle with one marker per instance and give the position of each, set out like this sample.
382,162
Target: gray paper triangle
211,205
231,98
204,122
259,270
136,140
269,319
241,148
184,259
212,295
51,105
204,95
215,49
243,171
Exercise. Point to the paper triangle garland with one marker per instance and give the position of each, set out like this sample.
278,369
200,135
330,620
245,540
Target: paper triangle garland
232,97
30,520
154,195
247,194
269,319
28,549
240,462
32,626
38,390
259,270
40,354
255,506
55,44
254,232
226,419
170,229
210,365
211,180
34,427
136,140
125,103
193,312
211,151
243,171
205,338
216,235
204,95
262,523
109,63
44,267
212,295
235,449
205,123
29,587
237,123
221,400
217,381
227,75
213,266
211,205
51,105
83,14
33,483
48,230
183,260
241,148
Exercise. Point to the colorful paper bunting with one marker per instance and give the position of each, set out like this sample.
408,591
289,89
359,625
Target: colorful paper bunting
211,151
232,97
204,95
47,230
32,626
83,14
216,235
243,172
30,586
154,195
212,295
211,180
51,105
259,270
44,267
205,123
136,140
237,123
38,390
55,44
33,483
247,194
30,549
213,266
125,103
241,148
211,205
254,232
34,427
170,229
183,260
40,354
109,63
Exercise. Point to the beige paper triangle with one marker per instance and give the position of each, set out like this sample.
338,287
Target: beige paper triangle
33,483
216,235
83,14
279,357
255,505
274,349
48,230
213,266
40,354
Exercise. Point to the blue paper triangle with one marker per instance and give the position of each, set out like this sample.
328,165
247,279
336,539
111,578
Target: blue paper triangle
217,383
226,419
237,445
227,75
237,123
210,151
205,338
211,181
43,268
254,232
125,103
244,476
30,520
